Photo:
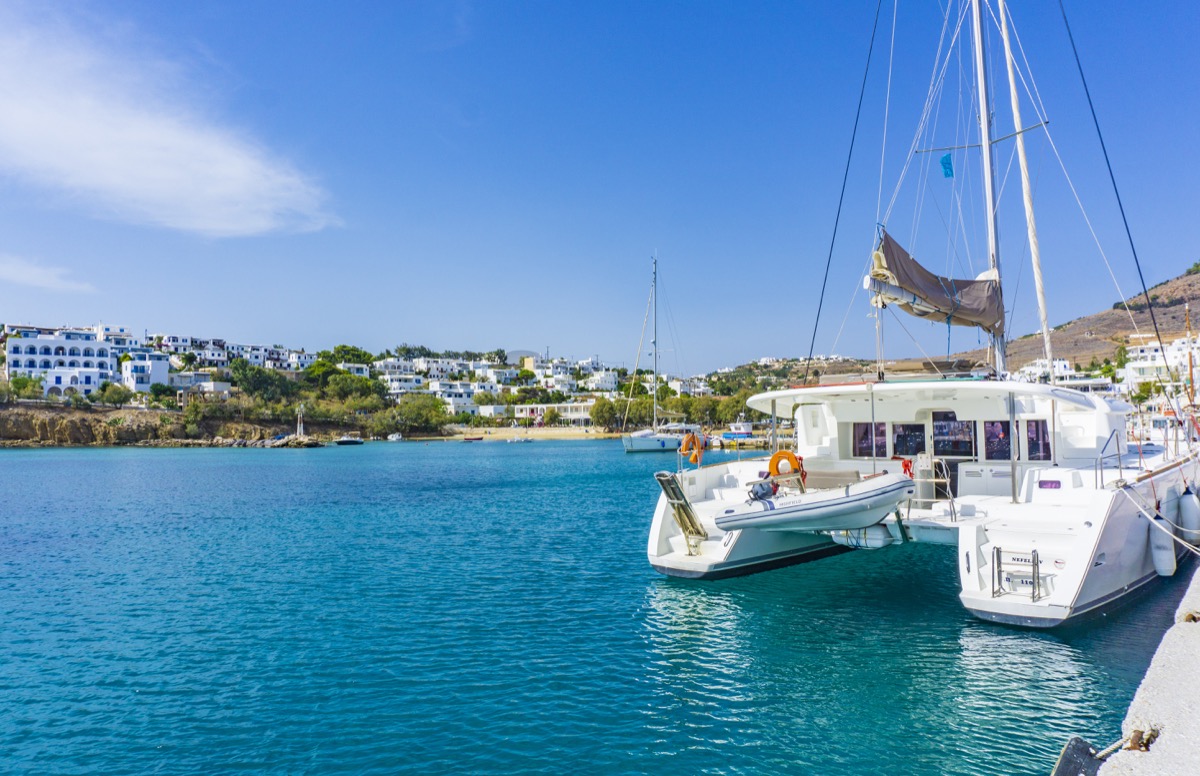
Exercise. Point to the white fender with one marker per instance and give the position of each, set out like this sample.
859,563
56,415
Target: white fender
871,538
1189,518
1162,547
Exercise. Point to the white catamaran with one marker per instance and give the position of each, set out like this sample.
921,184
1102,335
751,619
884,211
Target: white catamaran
1052,511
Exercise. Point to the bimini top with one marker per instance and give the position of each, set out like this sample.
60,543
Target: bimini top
787,400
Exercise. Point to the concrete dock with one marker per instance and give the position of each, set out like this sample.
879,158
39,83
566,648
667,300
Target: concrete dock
1164,716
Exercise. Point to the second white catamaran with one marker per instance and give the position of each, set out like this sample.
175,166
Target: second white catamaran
1052,512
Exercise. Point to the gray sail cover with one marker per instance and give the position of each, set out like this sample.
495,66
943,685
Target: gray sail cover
959,302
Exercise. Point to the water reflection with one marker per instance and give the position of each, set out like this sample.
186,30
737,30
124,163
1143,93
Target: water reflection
870,655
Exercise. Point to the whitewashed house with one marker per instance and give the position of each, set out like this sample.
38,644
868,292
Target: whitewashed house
604,381
298,360
358,370
69,361
144,368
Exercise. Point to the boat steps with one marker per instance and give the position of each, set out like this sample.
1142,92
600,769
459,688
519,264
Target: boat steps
1019,572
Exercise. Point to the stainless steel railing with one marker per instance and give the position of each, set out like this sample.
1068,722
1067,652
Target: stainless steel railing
1100,459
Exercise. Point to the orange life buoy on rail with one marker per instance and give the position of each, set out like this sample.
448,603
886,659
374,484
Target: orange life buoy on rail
787,458
695,445
906,464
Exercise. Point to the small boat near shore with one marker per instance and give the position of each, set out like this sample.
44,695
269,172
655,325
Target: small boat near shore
395,437
348,439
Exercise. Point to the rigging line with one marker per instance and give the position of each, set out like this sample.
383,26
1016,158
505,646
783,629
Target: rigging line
914,341
887,104
638,359
850,306
1113,178
1040,109
936,77
841,198
951,244
672,331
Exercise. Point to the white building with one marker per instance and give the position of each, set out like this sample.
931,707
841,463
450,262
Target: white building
358,370
502,375
69,361
692,386
119,340
144,368
400,384
577,413
394,366
604,381
298,360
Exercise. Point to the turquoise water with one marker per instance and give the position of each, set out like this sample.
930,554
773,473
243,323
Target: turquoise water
489,608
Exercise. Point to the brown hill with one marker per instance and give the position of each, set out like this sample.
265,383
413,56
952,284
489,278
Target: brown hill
1100,334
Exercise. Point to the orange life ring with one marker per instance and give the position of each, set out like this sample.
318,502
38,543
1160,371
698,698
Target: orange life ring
695,445
795,464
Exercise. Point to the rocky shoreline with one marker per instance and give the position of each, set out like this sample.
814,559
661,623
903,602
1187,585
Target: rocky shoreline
52,426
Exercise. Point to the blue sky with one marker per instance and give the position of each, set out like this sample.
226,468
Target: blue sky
481,175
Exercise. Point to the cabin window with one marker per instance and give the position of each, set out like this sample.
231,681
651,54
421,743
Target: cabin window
953,437
908,438
997,441
863,440
1037,436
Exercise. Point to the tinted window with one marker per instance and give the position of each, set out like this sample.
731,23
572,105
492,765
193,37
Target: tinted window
863,440
908,438
1037,436
997,442
953,437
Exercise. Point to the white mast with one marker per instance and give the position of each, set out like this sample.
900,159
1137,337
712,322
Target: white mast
654,344
1027,191
989,183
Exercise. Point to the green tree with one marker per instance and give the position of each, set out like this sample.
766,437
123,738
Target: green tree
347,354
551,417
158,391
24,387
114,394
260,383
346,386
188,361
318,373
703,410
1122,357
497,356
525,377
604,414
420,412
485,397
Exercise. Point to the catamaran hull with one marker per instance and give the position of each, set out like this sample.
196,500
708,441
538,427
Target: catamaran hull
805,554
1081,575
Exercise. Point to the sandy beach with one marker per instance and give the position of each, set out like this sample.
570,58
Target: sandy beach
458,433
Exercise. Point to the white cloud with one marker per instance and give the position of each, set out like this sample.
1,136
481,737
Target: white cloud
120,132
23,272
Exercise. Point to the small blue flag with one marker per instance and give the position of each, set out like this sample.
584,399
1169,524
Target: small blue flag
947,167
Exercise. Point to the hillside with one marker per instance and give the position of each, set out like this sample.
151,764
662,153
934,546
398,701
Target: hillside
1098,335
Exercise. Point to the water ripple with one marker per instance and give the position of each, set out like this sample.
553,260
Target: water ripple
489,608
